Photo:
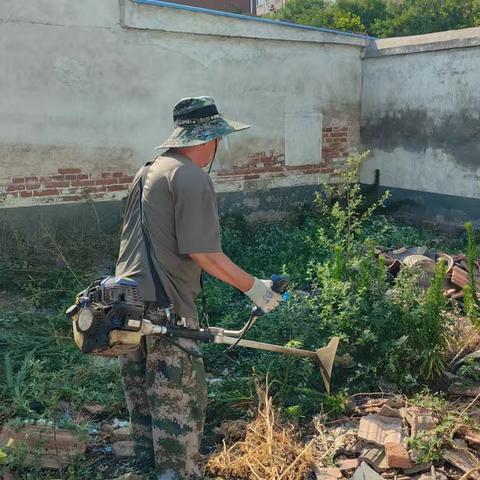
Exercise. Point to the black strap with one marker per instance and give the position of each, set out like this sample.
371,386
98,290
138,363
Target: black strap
160,294
208,111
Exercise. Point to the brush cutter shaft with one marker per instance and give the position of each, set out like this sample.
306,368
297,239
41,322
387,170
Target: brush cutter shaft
218,335
265,346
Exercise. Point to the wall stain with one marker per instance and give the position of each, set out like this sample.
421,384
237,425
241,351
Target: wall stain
457,134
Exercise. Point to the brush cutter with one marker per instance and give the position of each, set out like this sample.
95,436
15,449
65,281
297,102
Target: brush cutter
108,320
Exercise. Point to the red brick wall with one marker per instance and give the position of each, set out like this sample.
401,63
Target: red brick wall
272,164
67,185
74,184
235,6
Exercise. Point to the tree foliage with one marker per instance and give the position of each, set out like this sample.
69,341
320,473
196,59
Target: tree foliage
384,18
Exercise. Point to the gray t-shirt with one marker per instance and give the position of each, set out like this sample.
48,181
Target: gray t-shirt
181,217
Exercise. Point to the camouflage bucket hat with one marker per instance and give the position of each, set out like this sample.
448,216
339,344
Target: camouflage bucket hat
198,121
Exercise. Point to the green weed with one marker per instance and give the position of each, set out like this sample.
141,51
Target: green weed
471,301
393,333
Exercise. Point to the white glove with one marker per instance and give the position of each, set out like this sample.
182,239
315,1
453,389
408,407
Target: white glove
262,295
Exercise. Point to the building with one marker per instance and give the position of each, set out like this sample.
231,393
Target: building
268,6
234,6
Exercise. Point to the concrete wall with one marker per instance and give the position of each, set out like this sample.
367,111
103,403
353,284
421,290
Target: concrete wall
88,89
421,119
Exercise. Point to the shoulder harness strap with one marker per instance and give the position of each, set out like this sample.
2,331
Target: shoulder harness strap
161,295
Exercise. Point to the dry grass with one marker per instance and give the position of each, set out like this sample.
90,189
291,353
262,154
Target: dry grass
464,338
269,451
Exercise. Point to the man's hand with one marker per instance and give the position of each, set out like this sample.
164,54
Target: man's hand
221,267
262,295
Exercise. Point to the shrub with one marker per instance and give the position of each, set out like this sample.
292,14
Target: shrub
394,335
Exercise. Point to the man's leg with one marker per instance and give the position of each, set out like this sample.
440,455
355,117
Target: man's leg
133,370
177,392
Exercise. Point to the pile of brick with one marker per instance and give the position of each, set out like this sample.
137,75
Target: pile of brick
425,260
379,441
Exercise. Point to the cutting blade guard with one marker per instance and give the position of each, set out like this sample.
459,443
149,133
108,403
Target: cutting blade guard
326,358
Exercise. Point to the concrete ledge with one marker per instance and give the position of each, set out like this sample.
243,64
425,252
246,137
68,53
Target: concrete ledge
266,206
434,209
443,211
468,37
170,17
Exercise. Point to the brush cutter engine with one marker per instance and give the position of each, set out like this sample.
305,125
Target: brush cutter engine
108,307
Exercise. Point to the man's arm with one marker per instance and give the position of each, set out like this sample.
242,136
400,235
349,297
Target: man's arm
220,266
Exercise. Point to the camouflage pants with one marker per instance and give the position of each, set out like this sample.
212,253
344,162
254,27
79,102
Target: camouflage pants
166,395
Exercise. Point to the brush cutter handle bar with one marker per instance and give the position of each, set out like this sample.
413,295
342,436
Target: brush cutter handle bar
149,328
199,335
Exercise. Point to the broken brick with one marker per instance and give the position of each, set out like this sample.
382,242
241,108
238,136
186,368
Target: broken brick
419,419
389,474
328,473
48,447
121,434
387,411
349,464
94,408
123,449
374,429
473,438
397,455
375,457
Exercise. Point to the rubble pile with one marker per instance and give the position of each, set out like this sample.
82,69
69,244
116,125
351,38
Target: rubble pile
45,445
386,437
389,439
425,260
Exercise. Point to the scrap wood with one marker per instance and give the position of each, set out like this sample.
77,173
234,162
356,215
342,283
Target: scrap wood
463,459
470,473
270,451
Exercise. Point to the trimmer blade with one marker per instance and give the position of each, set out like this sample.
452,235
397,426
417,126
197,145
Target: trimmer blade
326,356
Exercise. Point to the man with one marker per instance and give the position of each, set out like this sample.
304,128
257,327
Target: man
171,232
